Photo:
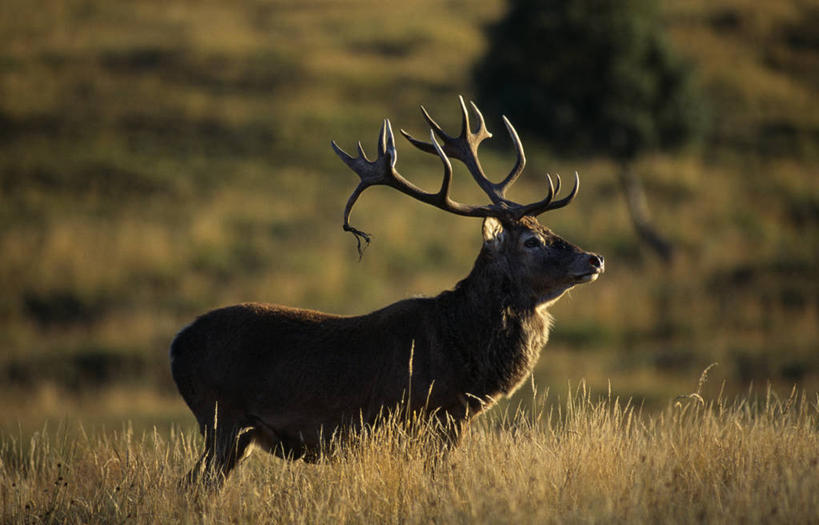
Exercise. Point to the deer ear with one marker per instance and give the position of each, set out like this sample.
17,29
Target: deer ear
493,232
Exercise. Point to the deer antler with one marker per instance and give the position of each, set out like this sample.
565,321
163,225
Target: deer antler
382,171
464,148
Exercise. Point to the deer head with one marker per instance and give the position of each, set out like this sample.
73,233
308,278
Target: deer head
513,238
538,264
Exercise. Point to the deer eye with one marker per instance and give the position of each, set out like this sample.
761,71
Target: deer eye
532,242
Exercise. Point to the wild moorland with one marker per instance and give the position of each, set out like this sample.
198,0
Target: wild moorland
159,159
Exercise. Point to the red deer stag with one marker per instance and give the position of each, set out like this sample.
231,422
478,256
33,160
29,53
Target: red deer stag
280,378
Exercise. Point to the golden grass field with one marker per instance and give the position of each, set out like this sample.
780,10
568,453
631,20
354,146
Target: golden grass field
591,458
160,159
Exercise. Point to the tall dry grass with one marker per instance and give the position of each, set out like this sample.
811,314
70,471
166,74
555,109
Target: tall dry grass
587,458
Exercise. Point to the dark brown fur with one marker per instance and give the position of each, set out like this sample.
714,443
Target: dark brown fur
285,378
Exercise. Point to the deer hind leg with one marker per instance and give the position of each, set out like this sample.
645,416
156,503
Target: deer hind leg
227,443
270,440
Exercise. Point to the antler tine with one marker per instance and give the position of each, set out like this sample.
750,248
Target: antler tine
420,144
464,147
435,127
521,211
568,198
443,193
386,142
520,162
482,132
360,151
466,129
546,204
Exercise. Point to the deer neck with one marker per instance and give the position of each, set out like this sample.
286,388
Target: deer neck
495,337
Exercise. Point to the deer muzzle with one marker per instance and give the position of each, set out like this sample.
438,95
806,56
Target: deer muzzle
594,266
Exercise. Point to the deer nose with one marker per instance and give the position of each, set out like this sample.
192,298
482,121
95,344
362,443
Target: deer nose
597,261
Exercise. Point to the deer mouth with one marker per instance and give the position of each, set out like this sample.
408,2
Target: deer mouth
587,277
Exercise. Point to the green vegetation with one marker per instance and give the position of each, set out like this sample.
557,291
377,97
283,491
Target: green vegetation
591,77
159,159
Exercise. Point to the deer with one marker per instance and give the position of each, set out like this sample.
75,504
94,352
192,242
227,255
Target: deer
283,379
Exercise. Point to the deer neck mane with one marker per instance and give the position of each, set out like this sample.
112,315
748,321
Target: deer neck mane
494,336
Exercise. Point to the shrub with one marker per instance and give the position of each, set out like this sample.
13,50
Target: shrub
590,75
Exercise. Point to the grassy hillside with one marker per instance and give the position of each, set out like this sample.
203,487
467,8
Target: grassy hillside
159,159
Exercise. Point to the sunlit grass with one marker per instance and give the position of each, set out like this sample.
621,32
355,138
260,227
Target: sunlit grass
587,457
158,160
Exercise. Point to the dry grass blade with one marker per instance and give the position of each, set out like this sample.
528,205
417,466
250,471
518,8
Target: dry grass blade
696,396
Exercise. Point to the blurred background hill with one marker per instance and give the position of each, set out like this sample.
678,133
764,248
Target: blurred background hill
159,159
